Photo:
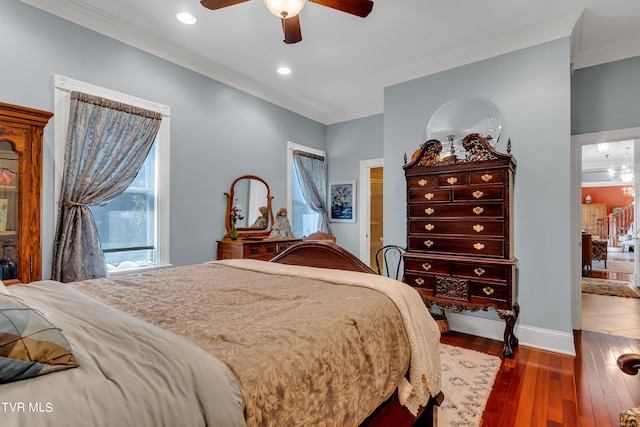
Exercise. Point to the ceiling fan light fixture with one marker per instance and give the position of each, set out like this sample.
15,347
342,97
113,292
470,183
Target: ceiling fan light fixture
284,8
186,18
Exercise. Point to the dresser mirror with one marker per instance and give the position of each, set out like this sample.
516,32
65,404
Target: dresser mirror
249,203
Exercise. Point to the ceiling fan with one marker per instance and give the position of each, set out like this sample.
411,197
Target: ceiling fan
287,11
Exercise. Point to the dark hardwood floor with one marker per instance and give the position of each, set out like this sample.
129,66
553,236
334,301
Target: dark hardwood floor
540,388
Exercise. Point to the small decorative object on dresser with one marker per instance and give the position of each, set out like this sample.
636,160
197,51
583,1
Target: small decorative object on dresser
281,228
460,230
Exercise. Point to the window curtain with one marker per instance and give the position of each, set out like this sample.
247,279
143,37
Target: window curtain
107,143
312,176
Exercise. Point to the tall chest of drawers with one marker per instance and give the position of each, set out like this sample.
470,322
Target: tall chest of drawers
460,230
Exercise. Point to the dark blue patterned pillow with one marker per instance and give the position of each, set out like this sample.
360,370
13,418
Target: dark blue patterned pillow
29,344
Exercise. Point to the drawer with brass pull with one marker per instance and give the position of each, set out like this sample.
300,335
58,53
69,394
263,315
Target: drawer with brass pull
452,179
479,209
431,195
494,291
426,181
417,280
486,177
482,270
483,227
426,265
474,193
458,246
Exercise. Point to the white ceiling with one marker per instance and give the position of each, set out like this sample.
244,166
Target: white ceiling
343,62
593,160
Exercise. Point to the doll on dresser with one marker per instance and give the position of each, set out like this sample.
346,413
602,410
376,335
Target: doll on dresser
281,227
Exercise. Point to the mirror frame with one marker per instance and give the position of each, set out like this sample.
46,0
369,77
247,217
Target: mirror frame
248,231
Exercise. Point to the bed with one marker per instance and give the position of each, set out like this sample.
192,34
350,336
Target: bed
234,343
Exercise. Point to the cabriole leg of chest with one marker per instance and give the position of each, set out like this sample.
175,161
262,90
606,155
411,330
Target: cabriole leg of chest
510,340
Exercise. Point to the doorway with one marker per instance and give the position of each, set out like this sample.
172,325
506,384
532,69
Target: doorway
602,184
371,209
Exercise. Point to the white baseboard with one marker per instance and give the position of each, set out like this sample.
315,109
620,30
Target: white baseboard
543,339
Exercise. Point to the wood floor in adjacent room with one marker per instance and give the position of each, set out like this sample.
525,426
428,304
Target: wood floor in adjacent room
540,388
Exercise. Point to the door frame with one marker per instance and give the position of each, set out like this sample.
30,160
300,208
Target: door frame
365,206
577,141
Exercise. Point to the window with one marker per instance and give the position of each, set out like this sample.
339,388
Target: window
134,227
304,220
127,224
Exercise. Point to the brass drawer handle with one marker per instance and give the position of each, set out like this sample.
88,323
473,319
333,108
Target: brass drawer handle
452,180
422,182
429,227
479,271
429,196
419,281
428,243
477,194
426,266
488,291
429,211
478,228
486,177
478,246
478,210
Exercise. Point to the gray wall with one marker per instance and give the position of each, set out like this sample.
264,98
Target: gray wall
531,88
347,144
217,132
606,97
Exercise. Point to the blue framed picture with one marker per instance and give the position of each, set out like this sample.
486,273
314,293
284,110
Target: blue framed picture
342,201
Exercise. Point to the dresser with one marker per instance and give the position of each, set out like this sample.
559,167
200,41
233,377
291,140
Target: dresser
460,230
258,248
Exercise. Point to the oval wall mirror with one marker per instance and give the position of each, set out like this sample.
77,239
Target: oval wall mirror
459,117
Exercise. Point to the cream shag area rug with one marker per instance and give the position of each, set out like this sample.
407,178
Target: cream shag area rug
467,379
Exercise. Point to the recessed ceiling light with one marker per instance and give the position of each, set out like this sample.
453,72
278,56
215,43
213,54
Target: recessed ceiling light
186,18
284,70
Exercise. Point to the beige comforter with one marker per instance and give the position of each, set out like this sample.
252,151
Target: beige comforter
131,373
305,351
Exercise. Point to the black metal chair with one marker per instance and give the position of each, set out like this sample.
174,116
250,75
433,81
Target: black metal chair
388,257
391,255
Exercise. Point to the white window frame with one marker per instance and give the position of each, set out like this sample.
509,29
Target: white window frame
291,146
63,86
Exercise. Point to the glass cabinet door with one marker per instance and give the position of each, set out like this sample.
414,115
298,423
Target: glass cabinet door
9,188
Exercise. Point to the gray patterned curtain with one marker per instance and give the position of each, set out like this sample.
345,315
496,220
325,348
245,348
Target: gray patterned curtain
107,143
312,176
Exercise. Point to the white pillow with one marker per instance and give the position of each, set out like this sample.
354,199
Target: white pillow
4,289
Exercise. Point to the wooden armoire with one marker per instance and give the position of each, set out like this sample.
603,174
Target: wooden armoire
21,133
460,230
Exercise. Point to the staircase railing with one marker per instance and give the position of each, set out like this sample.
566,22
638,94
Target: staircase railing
616,224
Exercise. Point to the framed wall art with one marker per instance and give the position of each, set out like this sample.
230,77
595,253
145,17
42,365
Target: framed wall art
342,201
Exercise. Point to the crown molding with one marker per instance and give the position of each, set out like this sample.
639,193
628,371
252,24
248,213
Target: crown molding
112,27
471,54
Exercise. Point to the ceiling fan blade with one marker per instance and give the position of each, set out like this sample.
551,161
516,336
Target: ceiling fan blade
291,28
355,7
219,4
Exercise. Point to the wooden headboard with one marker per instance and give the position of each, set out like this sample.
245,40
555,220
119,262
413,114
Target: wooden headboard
322,254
